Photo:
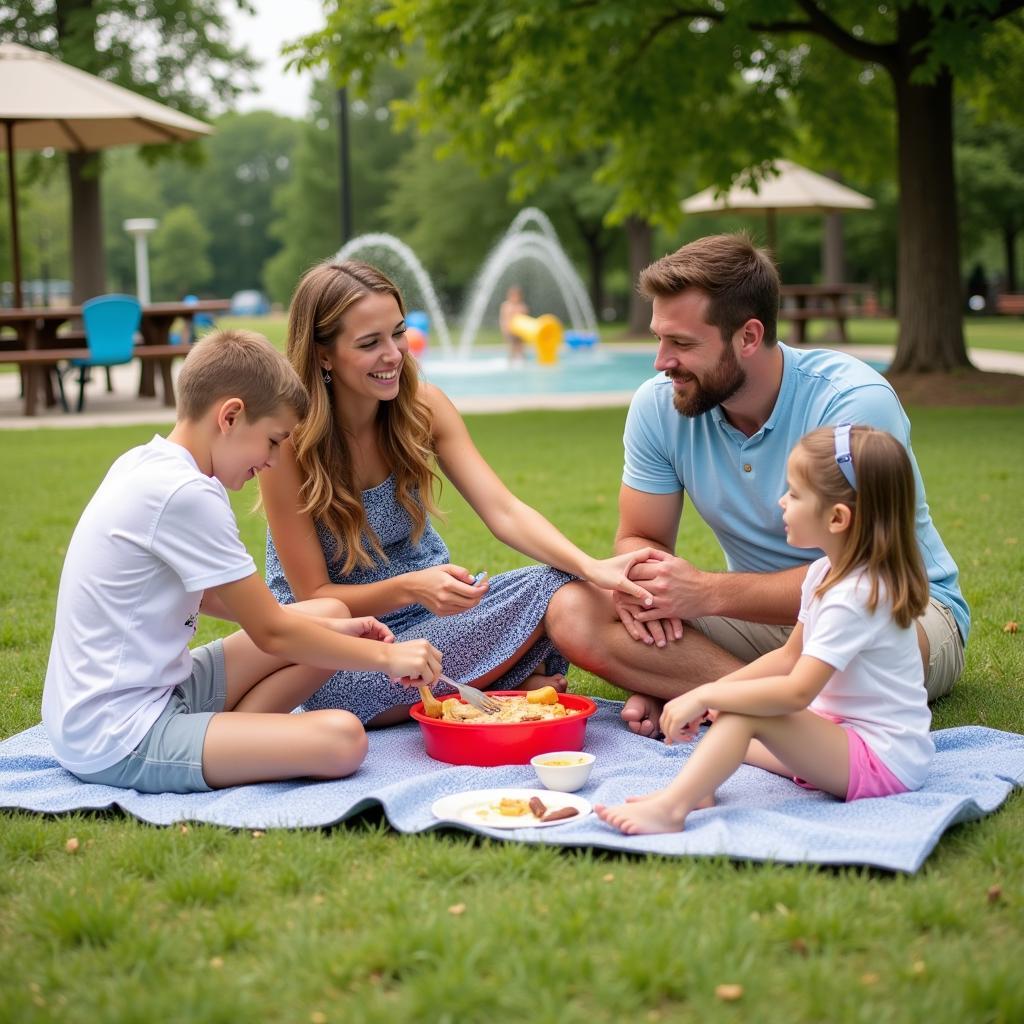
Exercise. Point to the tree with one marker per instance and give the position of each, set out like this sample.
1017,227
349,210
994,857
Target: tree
161,50
710,87
180,263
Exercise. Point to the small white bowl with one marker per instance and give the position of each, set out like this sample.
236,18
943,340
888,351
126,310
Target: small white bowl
563,770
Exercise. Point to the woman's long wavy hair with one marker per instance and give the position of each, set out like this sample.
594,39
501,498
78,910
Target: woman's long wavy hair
328,490
881,538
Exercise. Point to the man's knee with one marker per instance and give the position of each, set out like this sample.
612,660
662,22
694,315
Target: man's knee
939,638
572,617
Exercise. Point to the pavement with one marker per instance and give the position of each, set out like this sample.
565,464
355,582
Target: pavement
123,407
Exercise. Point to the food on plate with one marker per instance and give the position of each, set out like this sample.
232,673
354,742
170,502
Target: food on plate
513,709
513,808
537,807
562,812
545,695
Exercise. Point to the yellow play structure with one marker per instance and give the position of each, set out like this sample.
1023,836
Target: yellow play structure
544,333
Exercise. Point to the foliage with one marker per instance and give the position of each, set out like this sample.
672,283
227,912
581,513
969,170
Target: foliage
180,265
353,923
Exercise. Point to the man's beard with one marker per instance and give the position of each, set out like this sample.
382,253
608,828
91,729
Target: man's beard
721,383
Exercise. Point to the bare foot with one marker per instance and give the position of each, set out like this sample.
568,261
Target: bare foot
708,801
654,814
558,682
642,714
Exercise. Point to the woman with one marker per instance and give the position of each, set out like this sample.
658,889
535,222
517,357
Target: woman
349,504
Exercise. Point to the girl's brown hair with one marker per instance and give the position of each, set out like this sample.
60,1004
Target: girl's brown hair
328,489
881,537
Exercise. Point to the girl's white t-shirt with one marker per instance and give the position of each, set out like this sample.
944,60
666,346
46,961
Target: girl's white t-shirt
156,534
878,686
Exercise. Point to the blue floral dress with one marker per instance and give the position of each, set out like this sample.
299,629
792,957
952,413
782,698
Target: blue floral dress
473,642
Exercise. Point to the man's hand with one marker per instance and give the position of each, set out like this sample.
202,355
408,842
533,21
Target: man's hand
658,632
682,716
680,590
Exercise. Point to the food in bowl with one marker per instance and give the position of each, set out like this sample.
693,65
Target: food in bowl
563,770
489,740
513,709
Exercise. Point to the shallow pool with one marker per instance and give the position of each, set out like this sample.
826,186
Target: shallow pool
489,373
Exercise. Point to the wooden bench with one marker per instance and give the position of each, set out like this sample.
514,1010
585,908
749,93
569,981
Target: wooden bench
1011,305
34,361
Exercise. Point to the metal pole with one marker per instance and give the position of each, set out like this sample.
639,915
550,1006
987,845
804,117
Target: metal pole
13,201
345,180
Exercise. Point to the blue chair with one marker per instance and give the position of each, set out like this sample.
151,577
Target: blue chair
110,323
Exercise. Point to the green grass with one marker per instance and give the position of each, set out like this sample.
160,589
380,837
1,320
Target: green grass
354,924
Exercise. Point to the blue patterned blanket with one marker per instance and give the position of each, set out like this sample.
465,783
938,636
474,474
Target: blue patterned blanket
759,816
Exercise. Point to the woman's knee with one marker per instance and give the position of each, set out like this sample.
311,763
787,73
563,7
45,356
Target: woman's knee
341,742
324,608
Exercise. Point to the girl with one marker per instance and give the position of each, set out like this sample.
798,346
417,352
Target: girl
349,504
842,706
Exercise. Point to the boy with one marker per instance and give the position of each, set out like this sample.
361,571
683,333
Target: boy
125,702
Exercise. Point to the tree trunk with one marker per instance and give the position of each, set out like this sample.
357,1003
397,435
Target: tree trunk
1010,250
931,337
88,260
640,238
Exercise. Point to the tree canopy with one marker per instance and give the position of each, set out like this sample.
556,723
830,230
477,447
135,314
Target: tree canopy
669,95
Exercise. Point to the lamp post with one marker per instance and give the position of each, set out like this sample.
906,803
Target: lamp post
139,228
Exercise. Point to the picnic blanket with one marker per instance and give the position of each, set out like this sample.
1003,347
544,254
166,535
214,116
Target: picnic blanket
759,816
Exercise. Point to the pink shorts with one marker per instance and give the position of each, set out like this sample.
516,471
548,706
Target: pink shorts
868,774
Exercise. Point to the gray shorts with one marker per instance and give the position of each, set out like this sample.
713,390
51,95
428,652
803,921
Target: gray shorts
170,757
749,640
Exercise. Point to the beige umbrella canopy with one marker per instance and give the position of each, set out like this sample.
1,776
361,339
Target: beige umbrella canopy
794,189
45,103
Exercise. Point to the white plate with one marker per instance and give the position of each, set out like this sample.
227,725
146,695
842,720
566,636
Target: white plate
477,807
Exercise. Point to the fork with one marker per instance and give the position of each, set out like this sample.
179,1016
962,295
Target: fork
471,695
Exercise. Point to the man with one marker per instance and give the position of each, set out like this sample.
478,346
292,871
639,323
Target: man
717,426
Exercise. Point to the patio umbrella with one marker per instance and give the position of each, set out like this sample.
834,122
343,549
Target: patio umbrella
794,189
45,103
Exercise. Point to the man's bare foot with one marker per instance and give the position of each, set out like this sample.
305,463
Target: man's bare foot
642,714
538,680
656,813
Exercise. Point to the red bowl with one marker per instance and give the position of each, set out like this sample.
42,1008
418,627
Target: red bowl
504,742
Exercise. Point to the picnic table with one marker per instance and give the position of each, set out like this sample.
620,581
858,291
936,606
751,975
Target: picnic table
38,345
801,303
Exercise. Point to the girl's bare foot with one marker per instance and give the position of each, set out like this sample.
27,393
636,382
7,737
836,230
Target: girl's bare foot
708,801
643,714
538,680
650,816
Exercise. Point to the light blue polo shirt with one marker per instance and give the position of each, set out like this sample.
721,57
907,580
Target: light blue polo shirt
735,481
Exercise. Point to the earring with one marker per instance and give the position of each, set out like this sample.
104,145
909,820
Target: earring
325,376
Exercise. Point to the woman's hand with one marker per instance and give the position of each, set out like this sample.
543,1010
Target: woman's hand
614,574
446,589
681,717
412,662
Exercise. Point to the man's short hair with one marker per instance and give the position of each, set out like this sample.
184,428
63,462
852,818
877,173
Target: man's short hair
741,280
239,364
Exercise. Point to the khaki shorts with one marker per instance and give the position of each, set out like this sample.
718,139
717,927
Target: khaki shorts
749,640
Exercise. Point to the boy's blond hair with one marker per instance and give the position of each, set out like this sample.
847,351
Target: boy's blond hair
239,364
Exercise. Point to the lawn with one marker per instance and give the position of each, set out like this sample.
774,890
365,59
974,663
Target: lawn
358,923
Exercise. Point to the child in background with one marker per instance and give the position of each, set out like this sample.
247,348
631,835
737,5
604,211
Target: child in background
126,703
842,706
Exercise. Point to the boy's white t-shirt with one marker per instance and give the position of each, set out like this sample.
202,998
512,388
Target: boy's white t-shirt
878,686
156,534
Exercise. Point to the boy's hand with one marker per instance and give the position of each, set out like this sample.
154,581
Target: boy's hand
366,627
446,589
682,716
412,662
